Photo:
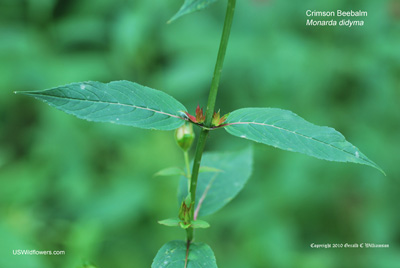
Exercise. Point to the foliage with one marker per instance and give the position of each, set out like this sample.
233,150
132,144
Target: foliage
173,255
190,6
216,189
63,178
128,103
286,130
120,102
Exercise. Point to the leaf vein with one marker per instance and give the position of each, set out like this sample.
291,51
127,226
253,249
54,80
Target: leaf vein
295,133
115,103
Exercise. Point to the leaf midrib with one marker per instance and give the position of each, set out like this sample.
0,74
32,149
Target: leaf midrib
103,102
296,133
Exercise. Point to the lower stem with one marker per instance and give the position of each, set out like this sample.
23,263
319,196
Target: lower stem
187,253
197,160
195,173
189,234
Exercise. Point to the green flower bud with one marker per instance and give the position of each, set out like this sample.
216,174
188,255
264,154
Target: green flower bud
186,211
184,136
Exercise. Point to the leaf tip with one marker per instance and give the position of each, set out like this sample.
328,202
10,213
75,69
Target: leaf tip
28,93
174,17
169,222
381,170
373,164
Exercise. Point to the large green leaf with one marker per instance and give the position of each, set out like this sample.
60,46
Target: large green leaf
190,6
173,255
119,102
286,130
216,189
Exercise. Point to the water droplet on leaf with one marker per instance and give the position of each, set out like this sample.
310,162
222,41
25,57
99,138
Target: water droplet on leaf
82,86
357,154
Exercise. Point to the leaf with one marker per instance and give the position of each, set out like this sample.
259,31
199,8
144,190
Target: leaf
119,102
216,189
171,171
173,255
199,224
286,130
190,6
170,222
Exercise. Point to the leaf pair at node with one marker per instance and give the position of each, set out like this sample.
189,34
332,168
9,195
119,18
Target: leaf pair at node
186,215
127,103
174,222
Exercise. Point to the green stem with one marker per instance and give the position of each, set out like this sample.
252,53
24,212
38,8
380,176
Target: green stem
189,234
195,173
187,164
211,104
212,97
197,160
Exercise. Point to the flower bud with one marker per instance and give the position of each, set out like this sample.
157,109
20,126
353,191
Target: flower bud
186,211
184,136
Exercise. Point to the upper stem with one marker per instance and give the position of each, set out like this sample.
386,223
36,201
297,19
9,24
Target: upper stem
212,97
211,103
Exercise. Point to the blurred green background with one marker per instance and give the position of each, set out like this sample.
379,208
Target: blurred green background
88,188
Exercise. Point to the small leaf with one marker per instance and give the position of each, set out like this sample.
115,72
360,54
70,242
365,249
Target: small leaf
286,130
119,102
170,222
216,189
190,6
173,255
171,171
217,120
199,224
209,169
200,116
